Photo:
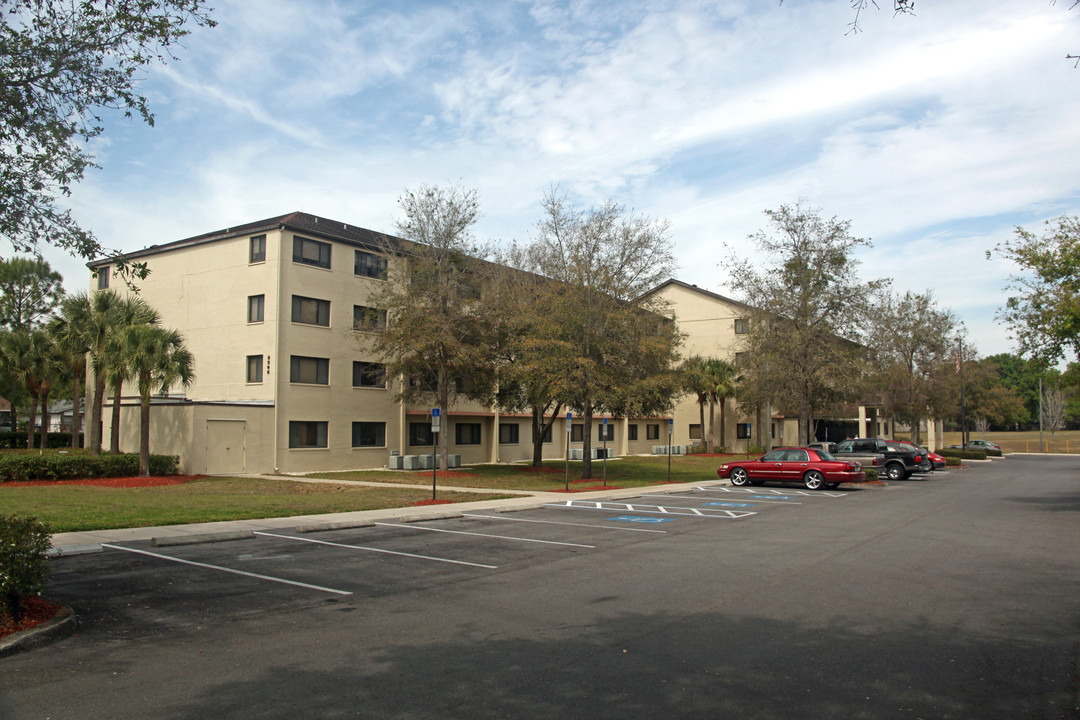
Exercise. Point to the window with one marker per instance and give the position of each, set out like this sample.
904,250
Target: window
310,311
577,432
368,319
315,371
772,430
369,434
103,278
420,433
631,432
695,431
255,308
254,368
467,433
605,432
742,326
368,374
311,252
741,358
307,434
742,431
258,249
547,435
370,265
508,433
652,431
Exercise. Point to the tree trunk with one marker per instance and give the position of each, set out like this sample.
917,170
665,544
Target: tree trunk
114,438
723,417
586,444
711,444
45,387
95,414
540,429
31,422
144,436
701,419
75,415
443,392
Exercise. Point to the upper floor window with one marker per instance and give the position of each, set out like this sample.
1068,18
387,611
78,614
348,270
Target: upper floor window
368,319
254,368
310,310
368,374
256,304
258,249
741,359
311,252
370,265
103,278
742,326
315,371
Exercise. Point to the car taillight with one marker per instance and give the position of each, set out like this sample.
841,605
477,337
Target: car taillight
918,458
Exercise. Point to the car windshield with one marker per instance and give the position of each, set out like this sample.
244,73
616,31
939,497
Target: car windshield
825,455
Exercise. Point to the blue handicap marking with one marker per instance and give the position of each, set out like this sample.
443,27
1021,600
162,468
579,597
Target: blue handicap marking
771,497
638,518
727,504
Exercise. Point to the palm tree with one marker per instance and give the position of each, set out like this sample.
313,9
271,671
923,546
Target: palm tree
721,384
695,380
33,361
157,358
70,330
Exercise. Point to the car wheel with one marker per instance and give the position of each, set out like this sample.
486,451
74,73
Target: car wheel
926,466
739,477
895,471
814,480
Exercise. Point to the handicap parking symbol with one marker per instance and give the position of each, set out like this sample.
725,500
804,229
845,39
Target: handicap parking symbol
730,504
638,518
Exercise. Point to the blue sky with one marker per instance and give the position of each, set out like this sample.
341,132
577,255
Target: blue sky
935,134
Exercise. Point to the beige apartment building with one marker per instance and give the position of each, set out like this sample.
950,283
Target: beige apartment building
279,316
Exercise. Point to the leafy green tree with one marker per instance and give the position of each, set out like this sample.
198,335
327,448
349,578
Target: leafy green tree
65,61
436,325
804,348
722,383
157,359
695,382
24,564
29,291
1043,311
32,359
70,329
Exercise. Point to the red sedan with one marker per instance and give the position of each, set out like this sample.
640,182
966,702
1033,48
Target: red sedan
816,469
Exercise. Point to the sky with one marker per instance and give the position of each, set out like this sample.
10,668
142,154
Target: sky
934,134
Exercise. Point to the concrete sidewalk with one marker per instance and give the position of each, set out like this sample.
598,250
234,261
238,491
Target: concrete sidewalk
72,543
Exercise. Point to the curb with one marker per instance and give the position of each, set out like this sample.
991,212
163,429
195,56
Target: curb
61,625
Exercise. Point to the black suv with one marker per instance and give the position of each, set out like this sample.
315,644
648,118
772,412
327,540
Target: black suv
899,461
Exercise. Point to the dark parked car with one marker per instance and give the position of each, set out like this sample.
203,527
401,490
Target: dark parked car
895,462
814,468
977,445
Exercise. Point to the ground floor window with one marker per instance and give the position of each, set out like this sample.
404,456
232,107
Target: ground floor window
652,431
307,434
577,432
369,434
467,433
742,431
508,433
695,431
420,433
605,432
547,435
631,432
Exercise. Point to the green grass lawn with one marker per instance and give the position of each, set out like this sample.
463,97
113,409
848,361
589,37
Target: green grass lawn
1063,441
68,508
621,472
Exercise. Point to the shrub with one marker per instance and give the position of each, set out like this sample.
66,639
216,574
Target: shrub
952,461
871,474
963,454
23,563
56,466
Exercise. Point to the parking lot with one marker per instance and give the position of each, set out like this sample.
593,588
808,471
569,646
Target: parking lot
927,598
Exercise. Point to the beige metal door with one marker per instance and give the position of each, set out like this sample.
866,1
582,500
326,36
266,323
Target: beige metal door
225,446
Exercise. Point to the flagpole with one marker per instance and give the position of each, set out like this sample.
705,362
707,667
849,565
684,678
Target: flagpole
960,372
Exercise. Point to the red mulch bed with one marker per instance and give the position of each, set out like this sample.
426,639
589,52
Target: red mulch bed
121,482
433,502
35,610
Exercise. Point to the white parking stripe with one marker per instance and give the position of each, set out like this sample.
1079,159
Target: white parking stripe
645,508
228,570
497,537
376,550
556,522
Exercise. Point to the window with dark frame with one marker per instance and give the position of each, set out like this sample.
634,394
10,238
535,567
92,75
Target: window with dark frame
467,433
310,311
309,370
368,319
420,434
307,434
369,265
742,431
631,432
369,434
103,278
577,432
368,374
256,304
695,431
254,368
258,249
311,252
609,429
652,431
742,326
508,433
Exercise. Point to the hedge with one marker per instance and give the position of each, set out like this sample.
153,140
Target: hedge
55,466
16,440
965,454
24,543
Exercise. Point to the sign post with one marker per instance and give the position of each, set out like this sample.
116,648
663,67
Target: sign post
434,447
569,420
670,430
605,452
